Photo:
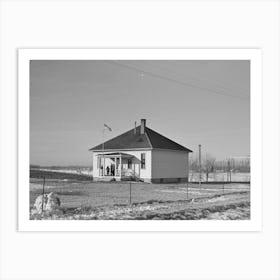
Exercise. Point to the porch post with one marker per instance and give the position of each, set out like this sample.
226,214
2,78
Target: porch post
115,166
103,165
99,165
120,166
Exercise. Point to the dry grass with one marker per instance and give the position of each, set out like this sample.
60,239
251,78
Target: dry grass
93,200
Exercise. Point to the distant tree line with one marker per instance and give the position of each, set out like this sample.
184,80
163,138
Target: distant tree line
209,164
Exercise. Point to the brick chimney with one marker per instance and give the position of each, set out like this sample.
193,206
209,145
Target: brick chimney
143,126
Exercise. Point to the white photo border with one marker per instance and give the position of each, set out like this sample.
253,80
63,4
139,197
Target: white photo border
255,57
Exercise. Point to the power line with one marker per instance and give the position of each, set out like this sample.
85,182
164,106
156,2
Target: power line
211,81
135,68
175,80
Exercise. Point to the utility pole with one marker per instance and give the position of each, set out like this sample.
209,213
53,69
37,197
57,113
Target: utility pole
199,163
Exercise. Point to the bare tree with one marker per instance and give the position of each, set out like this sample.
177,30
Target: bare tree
193,167
208,165
193,163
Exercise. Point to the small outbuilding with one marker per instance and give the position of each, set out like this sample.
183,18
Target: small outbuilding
142,154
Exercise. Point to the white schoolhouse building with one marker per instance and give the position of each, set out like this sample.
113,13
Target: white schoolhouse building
141,154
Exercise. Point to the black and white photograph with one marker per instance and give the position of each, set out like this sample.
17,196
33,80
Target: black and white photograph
140,140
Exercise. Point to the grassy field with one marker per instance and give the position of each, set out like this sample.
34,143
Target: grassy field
99,200
58,175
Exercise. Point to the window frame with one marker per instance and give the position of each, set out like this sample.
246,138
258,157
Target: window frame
143,160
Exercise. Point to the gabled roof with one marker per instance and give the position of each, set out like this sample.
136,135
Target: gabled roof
159,141
131,140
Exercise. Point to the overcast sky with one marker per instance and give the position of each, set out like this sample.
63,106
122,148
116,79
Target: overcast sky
191,102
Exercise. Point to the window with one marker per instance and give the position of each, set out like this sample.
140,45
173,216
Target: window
129,163
143,160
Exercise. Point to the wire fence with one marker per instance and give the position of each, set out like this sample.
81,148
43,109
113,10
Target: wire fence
99,194
220,177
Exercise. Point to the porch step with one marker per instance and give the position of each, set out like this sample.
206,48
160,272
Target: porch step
105,179
112,178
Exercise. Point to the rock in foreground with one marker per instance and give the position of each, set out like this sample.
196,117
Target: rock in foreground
51,203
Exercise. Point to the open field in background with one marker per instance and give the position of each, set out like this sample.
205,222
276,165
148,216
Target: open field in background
84,199
58,175
85,173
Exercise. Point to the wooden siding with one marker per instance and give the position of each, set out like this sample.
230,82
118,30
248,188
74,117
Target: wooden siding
169,164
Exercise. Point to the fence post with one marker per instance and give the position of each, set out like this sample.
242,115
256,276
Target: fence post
199,162
130,193
43,195
187,190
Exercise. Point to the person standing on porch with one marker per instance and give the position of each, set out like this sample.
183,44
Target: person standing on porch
112,170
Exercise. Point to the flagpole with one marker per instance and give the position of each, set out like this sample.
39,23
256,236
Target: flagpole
103,144
103,131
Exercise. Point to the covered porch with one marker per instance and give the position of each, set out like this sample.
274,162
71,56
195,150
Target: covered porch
117,166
